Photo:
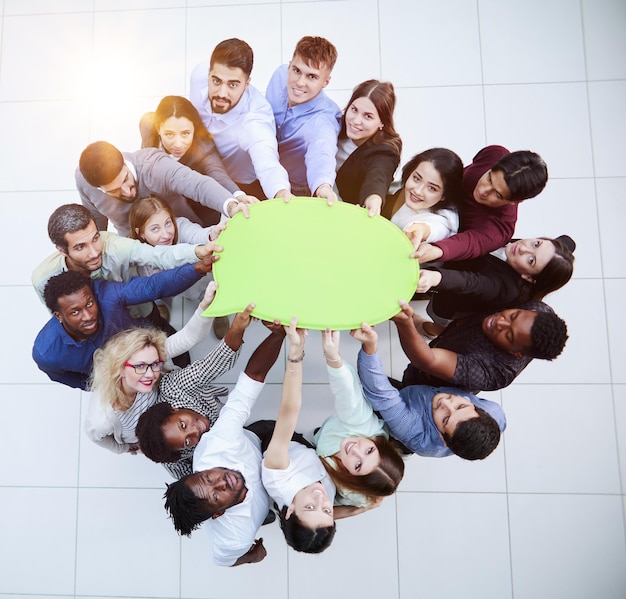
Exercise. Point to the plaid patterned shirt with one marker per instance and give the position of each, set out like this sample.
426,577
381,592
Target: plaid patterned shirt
189,388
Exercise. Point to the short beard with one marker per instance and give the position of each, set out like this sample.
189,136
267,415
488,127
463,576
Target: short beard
220,109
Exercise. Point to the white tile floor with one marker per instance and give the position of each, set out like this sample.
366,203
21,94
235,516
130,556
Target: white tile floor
543,517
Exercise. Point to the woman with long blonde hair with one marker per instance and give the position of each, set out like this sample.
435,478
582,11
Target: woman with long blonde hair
127,375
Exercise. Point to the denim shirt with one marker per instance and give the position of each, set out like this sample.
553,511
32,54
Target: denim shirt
408,412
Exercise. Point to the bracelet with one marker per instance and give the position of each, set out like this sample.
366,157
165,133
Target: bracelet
332,361
297,359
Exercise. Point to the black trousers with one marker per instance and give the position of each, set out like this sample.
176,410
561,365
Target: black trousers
253,189
264,429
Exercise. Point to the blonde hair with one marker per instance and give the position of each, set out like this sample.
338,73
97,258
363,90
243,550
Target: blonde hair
109,360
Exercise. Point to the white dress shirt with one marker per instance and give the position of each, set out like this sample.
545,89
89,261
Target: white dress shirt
245,136
228,445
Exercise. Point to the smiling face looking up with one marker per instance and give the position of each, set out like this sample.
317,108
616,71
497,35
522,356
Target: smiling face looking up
312,506
305,82
134,382
359,455
362,120
449,410
424,187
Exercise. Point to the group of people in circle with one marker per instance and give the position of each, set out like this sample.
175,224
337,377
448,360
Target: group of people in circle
203,160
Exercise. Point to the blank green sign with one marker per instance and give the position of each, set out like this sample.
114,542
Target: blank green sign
331,266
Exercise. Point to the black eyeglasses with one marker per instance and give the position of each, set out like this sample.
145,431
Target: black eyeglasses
143,368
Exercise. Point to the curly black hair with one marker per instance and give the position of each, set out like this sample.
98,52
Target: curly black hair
63,284
476,438
149,432
548,336
186,510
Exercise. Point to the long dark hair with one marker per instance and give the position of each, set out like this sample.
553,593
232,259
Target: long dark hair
449,166
176,106
555,273
383,96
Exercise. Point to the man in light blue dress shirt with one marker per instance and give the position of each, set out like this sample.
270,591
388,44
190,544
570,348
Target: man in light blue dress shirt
307,120
430,421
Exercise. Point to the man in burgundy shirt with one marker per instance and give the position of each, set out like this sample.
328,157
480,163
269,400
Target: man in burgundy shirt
493,186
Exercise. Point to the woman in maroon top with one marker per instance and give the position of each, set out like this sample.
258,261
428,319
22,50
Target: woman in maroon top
493,185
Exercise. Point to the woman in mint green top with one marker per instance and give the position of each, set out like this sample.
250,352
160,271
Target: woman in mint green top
353,442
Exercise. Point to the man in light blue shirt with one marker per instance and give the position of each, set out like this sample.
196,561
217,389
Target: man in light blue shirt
102,254
307,120
429,421
105,255
240,120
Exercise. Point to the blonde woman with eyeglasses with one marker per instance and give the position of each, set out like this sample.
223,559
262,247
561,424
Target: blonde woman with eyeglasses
127,376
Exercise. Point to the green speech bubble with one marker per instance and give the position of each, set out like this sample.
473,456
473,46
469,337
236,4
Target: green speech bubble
331,266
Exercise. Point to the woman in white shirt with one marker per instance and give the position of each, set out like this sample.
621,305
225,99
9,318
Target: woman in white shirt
292,474
353,443
425,206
